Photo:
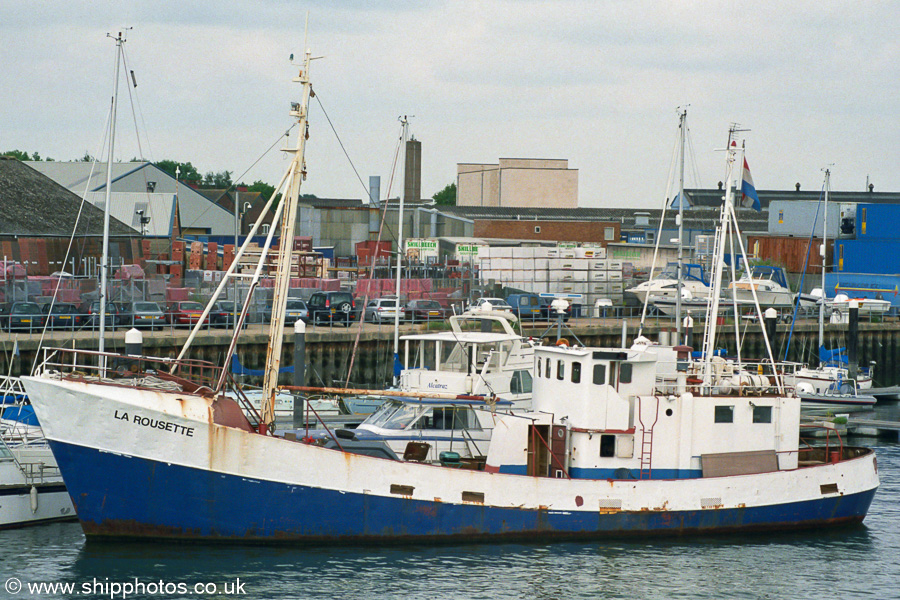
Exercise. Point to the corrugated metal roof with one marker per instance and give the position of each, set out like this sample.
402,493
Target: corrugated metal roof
32,204
75,175
124,206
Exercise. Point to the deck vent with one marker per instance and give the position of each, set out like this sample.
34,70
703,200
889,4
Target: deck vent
473,497
829,488
610,504
402,490
711,503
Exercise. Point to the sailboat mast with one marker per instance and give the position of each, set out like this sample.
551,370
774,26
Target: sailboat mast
104,258
678,326
824,253
404,137
295,175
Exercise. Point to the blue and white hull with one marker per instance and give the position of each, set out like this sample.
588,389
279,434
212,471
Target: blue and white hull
153,464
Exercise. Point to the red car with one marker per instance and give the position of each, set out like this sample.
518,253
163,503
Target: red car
186,313
425,310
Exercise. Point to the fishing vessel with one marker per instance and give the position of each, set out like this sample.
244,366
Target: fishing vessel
156,450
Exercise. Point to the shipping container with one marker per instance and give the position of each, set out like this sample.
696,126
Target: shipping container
877,221
801,218
789,252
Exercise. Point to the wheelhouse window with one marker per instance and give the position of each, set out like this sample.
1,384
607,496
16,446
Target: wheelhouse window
576,372
724,414
520,382
625,373
599,374
762,414
547,368
560,370
607,445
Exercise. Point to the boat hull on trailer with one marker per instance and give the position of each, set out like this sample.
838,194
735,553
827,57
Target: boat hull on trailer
151,464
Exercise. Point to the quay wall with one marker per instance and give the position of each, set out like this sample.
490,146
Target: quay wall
329,349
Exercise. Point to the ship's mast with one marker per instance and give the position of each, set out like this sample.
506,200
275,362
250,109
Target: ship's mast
682,122
404,121
730,233
104,258
296,173
824,253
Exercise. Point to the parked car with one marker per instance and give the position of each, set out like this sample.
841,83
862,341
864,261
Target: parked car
425,310
529,307
22,315
496,303
147,314
116,314
186,313
224,313
63,315
383,310
295,310
328,307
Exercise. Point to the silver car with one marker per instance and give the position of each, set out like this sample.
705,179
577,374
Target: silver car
383,310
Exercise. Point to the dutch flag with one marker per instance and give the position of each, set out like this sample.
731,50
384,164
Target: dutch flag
749,199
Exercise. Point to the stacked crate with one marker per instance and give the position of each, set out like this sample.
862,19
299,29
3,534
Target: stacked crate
563,270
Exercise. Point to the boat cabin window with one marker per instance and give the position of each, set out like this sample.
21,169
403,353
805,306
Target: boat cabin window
762,414
394,414
402,417
625,373
599,374
724,414
547,368
454,357
607,445
560,370
448,417
520,382
576,372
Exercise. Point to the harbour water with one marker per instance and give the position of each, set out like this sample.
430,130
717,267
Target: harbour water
855,562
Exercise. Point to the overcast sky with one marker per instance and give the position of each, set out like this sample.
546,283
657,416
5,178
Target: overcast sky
594,82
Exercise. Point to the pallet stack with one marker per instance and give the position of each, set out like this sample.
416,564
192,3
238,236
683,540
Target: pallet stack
568,270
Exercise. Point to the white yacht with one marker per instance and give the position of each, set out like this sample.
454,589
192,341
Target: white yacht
771,285
665,285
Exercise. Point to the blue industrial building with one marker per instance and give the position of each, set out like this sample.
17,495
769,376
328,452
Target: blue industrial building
868,264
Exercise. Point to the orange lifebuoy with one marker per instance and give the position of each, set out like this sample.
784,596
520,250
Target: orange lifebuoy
562,342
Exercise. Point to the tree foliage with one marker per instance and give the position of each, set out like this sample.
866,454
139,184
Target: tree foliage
187,171
19,154
447,196
221,179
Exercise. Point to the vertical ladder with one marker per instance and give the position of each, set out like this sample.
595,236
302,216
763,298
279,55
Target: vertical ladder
647,439
646,453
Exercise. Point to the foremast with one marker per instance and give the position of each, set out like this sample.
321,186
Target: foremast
296,173
729,234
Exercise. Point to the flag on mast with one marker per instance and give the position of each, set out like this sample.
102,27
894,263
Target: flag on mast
749,198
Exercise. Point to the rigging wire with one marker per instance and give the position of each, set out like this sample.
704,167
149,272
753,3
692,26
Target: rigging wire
235,182
72,238
341,143
662,217
372,265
